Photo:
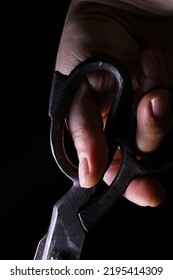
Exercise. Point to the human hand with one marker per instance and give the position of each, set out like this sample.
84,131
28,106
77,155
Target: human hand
145,46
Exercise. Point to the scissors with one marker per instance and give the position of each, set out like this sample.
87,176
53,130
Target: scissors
79,209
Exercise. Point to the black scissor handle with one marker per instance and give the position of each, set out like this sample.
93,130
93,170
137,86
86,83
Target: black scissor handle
62,92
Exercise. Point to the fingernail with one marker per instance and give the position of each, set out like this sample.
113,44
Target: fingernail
161,104
150,65
83,172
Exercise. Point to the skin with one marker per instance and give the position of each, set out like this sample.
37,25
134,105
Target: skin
144,43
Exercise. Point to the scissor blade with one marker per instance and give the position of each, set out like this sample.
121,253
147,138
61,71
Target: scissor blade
40,248
66,235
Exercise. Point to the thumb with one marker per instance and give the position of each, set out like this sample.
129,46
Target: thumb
86,127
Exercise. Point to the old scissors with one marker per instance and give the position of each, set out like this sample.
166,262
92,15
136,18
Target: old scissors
79,209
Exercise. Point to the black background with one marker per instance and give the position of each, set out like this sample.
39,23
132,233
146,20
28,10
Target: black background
30,181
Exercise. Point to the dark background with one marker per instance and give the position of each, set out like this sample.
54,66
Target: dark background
30,181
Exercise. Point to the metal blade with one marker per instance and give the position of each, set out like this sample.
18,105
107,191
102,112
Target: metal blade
66,235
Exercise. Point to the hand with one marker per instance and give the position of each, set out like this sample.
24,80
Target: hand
145,46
